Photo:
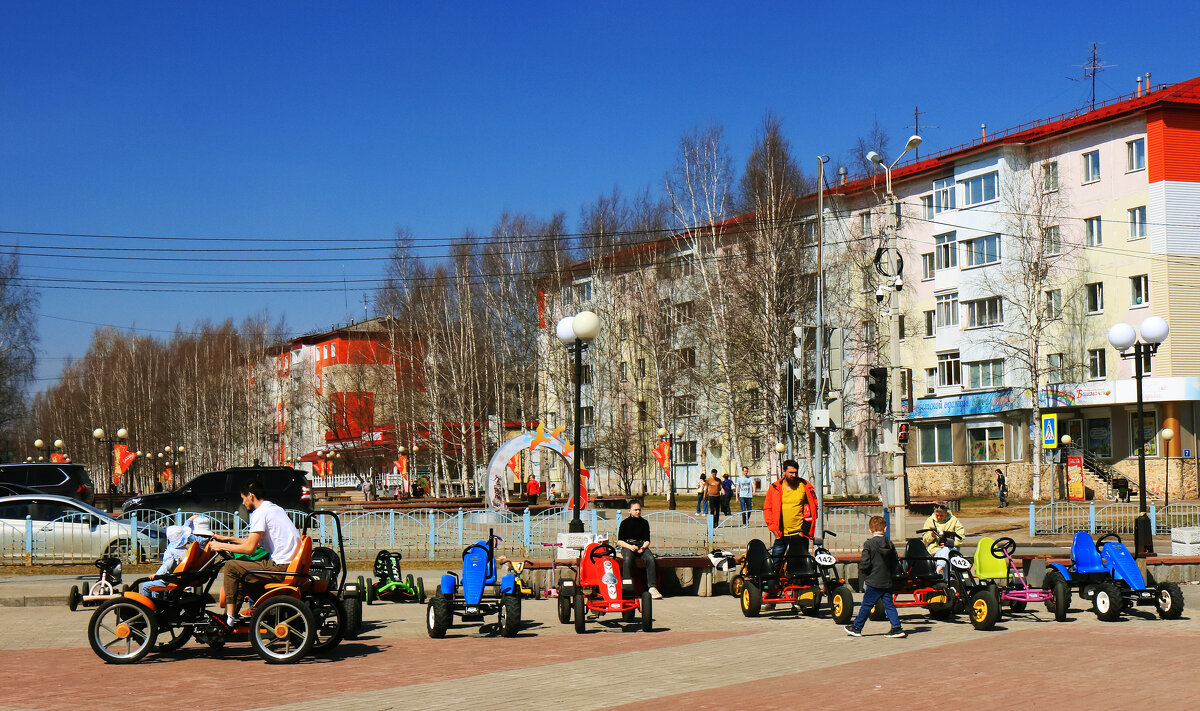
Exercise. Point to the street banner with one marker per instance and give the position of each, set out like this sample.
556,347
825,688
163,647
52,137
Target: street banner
122,458
167,475
661,454
58,457
1075,478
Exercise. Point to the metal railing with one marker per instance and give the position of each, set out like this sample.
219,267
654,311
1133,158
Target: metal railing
1066,517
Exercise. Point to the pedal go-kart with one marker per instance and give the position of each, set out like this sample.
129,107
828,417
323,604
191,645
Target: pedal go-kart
104,588
288,619
391,584
995,567
600,590
1106,573
478,572
943,594
802,581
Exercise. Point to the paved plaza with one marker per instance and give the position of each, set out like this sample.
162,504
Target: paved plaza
702,654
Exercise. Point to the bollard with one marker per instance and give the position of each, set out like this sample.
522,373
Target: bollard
178,517
432,532
459,520
1092,518
133,546
392,526
1032,524
1153,519
525,522
593,512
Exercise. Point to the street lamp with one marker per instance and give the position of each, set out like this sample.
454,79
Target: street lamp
1168,434
780,448
672,438
575,332
108,442
893,284
1123,338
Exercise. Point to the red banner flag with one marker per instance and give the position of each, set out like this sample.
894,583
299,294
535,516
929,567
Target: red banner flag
58,457
660,455
122,458
167,474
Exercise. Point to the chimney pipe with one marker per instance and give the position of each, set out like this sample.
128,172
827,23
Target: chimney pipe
1147,82
1139,86
983,131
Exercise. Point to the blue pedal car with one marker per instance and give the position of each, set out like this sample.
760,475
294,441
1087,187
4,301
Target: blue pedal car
464,595
1106,573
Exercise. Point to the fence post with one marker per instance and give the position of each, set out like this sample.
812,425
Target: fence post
1153,520
179,518
392,526
432,533
525,521
593,512
1092,518
28,539
708,526
133,545
1032,524
459,519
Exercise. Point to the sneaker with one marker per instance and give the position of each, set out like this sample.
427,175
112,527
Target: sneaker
654,593
852,632
896,632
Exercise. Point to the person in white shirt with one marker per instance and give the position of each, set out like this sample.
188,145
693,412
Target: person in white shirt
745,493
271,528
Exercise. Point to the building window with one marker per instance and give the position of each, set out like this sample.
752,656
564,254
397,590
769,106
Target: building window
755,396
685,406
686,452
985,374
1051,240
979,189
624,413
587,414
641,325
1054,304
1095,297
985,312
1091,232
1139,290
587,375
929,324
583,291
936,445
1091,166
982,250
901,324
946,251
931,380
943,195
927,265
1135,155
985,444
756,448
641,367
947,309
587,457
949,369
1050,176
1137,222
864,222
687,357
685,313
333,350
1096,370
683,266
868,330
643,415
1148,434
624,371
927,212
1056,372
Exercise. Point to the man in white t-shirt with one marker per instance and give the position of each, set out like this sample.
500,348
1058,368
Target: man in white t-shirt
271,528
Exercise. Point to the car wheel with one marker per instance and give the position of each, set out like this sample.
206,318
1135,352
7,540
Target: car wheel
438,616
580,612
352,604
122,631
1169,601
1107,601
841,603
647,612
751,599
331,621
510,615
984,609
564,608
282,630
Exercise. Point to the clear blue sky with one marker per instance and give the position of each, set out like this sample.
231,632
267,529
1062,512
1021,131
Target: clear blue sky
344,121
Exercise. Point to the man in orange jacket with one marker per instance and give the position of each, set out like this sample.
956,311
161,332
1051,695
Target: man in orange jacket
790,511
532,489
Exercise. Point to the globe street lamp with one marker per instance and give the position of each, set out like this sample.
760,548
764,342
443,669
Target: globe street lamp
780,448
108,442
575,332
1124,339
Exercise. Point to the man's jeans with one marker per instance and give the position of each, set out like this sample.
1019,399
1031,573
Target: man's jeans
747,503
786,547
627,558
870,597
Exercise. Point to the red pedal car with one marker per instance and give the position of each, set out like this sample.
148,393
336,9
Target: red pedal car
599,589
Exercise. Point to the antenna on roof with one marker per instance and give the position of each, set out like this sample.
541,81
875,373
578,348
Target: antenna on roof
1090,70
918,128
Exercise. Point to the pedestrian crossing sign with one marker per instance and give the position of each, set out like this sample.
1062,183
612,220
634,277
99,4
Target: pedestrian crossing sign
1049,431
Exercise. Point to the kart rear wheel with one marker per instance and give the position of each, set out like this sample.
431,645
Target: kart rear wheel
647,612
122,631
420,590
580,611
1107,601
176,638
352,604
736,585
1061,601
74,598
1050,582
751,599
510,615
564,608
877,612
282,630
984,609
1016,605
628,615
438,616
944,610
332,622
841,604
368,590
412,587
1169,601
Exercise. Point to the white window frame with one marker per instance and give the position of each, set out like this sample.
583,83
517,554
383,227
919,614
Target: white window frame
927,212
1056,371
976,248
938,431
1052,240
1137,222
1053,303
980,189
927,266
931,380
1135,155
864,222
1091,167
930,323
1097,366
947,309
1139,287
945,250
943,195
988,431
949,369
1050,176
977,370
1094,297
984,313
1093,231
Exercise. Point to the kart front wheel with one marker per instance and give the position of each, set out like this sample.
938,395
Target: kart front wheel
647,612
580,611
985,609
510,615
420,590
283,630
841,603
1061,601
1107,601
751,600
1169,601
736,585
1016,605
368,590
353,606
122,631
564,607
943,608
438,616
331,621
74,598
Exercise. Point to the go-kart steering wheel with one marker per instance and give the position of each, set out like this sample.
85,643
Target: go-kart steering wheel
605,549
1100,541
1003,546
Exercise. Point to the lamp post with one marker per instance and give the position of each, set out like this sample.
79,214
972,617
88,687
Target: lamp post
892,286
780,448
575,332
672,438
1124,339
1168,434
43,448
103,439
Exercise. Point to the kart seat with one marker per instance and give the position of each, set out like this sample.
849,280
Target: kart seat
918,561
801,566
988,565
758,563
297,568
1085,556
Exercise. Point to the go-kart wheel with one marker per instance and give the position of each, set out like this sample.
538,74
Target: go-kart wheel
1061,601
647,612
628,615
368,591
564,607
940,610
1102,539
877,612
814,608
1108,602
751,599
438,616
420,590
282,630
580,611
411,586
1016,605
984,609
122,631
1169,601
736,585
841,604
352,604
332,621
74,598
510,615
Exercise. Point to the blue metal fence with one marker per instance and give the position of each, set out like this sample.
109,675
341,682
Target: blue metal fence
1067,517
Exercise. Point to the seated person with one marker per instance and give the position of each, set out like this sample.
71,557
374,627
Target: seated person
270,527
195,530
633,538
941,520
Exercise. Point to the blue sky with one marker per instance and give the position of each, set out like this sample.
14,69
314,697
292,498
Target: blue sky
341,123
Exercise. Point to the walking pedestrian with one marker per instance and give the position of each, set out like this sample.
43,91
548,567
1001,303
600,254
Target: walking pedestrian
726,493
745,492
712,494
1002,488
701,489
532,489
876,568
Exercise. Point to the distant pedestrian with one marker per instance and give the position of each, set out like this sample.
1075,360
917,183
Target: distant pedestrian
701,489
1002,488
552,494
876,568
532,489
712,494
745,492
726,494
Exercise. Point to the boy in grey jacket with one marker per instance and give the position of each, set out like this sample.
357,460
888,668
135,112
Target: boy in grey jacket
876,569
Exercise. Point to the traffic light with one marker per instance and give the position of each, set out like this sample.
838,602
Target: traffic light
878,387
902,433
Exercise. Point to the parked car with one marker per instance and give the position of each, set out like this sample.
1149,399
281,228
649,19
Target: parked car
63,479
66,530
218,491
14,489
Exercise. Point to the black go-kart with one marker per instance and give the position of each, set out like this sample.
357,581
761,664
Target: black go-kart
800,583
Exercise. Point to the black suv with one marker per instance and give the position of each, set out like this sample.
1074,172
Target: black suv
59,478
218,491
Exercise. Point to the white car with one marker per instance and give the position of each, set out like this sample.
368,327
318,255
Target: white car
65,530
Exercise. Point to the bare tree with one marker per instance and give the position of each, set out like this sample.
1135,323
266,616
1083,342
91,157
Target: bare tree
18,336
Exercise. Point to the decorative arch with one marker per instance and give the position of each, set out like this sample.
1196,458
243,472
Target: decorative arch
553,441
